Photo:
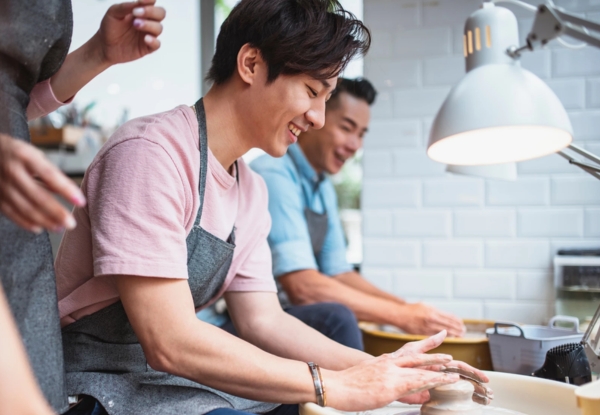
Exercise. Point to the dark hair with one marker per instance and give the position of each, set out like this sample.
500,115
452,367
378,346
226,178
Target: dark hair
312,37
359,88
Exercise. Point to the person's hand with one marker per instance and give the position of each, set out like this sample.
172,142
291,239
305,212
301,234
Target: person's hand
382,380
482,394
27,181
419,318
129,31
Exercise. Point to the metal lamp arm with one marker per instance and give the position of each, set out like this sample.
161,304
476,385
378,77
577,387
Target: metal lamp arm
552,22
593,169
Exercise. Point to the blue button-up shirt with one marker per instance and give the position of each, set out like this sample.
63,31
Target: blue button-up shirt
289,239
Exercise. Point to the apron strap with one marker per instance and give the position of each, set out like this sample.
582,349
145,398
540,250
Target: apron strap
203,144
306,196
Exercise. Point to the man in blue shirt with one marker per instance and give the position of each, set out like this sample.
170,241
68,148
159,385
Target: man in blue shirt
307,241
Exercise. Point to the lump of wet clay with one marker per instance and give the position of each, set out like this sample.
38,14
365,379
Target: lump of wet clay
453,399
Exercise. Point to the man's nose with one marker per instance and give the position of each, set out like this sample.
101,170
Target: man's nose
354,143
316,115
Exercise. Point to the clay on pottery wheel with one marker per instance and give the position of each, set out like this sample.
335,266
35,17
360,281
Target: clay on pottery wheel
453,399
457,399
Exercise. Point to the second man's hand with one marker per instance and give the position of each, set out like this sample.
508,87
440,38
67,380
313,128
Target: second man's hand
419,318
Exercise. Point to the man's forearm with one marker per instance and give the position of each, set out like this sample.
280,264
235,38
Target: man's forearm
161,312
310,286
274,328
355,280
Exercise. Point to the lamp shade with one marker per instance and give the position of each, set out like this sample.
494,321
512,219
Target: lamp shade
499,112
503,171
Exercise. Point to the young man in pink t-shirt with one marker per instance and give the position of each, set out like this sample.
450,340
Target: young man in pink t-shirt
175,219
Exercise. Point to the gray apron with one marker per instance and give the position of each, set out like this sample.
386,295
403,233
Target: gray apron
104,359
317,224
34,40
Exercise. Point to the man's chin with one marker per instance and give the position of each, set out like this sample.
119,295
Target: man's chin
276,151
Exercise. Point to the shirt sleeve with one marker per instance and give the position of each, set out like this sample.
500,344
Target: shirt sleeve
255,273
291,247
42,101
332,258
136,202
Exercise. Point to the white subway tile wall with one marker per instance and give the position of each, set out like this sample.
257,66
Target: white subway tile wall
477,248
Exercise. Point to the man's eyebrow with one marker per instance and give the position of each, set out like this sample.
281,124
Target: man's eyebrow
351,121
325,84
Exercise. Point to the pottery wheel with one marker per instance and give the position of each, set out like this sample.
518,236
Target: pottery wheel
456,399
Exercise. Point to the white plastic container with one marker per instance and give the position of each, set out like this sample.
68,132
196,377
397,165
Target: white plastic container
522,349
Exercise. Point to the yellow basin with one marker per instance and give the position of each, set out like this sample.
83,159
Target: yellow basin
472,350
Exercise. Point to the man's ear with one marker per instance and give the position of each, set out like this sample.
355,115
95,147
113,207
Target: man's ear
249,63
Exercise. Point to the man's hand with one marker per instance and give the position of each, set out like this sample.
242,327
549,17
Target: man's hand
419,318
379,381
482,394
27,181
129,31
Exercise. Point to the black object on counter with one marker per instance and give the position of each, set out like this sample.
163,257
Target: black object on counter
566,363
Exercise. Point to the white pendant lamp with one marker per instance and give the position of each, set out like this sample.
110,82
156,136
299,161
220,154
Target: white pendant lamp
499,112
502,171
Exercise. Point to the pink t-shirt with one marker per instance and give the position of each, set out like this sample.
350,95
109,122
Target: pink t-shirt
42,101
143,197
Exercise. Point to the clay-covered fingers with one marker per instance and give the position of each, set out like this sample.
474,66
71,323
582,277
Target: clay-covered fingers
418,380
454,325
482,394
467,371
422,346
421,360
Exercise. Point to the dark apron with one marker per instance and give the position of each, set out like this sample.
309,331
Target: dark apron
34,40
317,224
104,359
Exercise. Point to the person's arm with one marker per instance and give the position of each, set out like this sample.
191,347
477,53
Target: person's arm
19,392
128,32
162,314
260,320
355,280
309,286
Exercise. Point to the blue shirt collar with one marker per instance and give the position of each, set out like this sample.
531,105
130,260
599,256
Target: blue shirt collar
303,165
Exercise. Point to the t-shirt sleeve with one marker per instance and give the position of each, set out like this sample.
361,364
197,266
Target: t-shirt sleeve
255,273
332,258
136,203
42,101
291,247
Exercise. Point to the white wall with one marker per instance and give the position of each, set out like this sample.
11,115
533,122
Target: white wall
158,82
478,248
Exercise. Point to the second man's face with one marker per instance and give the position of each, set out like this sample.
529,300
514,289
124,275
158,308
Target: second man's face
342,136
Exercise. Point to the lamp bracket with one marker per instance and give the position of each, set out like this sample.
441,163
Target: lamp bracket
552,22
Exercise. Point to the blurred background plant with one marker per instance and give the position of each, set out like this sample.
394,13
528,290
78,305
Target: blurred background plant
348,183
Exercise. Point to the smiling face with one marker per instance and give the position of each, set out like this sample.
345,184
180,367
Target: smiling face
283,109
346,123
